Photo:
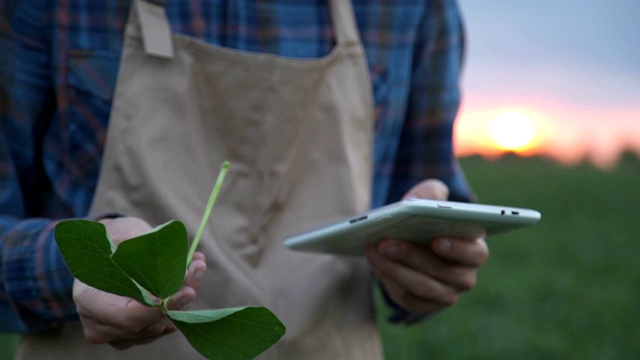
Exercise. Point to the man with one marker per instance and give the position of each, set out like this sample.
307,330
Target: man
286,91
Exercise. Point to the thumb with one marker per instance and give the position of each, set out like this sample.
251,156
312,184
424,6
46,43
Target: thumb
125,228
433,189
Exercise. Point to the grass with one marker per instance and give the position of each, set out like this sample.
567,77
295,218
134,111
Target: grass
7,346
565,288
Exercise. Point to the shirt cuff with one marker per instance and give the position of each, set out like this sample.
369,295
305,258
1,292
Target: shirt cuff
38,282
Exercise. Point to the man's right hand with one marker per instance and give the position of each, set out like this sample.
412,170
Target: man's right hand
123,322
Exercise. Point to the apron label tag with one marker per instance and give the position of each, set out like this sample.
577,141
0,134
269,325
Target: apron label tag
156,32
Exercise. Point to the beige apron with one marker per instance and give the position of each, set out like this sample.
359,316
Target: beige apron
298,136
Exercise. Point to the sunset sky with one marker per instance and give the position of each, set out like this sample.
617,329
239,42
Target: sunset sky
569,68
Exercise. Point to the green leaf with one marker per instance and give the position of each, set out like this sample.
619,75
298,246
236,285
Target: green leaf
237,333
155,263
86,249
157,260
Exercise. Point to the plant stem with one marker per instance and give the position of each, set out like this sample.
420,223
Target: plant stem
164,305
207,211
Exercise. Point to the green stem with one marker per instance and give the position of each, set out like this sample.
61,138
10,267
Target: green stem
164,305
207,211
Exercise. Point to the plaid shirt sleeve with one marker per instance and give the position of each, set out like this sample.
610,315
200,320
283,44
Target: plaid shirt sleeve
426,146
35,289
35,285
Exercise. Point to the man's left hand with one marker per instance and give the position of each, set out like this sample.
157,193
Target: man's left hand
424,279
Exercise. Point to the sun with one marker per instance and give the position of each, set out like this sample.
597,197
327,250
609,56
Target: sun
513,130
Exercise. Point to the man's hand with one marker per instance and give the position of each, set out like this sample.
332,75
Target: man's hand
424,279
123,322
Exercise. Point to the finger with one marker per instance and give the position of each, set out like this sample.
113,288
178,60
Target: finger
124,228
125,344
117,317
429,189
108,318
408,301
416,256
182,299
132,315
471,253
187,294
421,259
113,310
100,333
196,270
413,282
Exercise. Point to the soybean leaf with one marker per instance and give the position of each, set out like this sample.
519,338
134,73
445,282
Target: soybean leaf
157,260
86,248
155,263
236,333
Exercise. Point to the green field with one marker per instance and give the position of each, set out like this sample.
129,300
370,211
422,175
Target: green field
566,288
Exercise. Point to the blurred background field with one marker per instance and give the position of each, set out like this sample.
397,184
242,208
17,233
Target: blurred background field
7,346
566,288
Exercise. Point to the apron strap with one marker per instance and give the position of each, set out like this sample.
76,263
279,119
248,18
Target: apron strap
344,22
156,32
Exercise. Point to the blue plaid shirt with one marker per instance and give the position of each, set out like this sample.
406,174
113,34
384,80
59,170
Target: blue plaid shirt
59,61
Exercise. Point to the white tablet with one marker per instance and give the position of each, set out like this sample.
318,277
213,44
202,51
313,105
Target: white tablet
416,220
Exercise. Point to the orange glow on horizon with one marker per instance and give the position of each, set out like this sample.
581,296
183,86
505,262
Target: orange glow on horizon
513,130
568,134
